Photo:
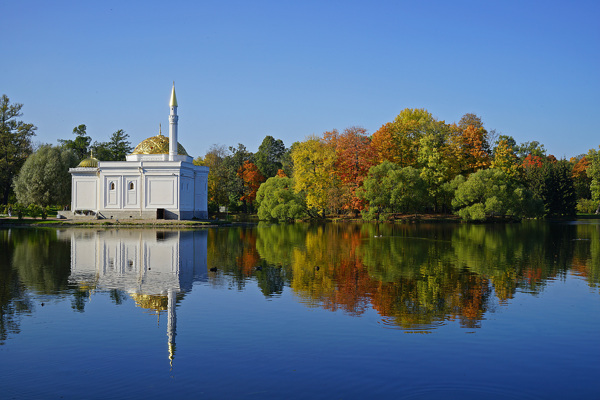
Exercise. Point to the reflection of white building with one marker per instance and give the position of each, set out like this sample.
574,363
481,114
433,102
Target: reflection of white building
158,180
154,267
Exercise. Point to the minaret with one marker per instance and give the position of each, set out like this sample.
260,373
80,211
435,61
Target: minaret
173,125
171,324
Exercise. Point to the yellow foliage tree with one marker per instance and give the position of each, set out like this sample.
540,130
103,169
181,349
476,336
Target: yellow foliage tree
314,161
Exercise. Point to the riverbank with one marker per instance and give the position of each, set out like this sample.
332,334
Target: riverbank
112,223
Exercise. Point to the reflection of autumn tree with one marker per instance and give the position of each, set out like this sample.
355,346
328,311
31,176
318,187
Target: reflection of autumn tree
438,295
345,287
235,255
416,276
224,249
249,257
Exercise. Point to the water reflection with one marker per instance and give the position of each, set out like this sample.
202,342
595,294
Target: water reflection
415,277
154,268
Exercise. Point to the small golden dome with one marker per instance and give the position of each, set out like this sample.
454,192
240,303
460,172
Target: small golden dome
151,302
158,144
90,162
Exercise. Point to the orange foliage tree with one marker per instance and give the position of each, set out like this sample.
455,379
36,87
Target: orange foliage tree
354,157
470,149
252,179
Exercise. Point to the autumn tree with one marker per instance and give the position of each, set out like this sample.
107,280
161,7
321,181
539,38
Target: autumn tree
252,179
399,140
354,156
15,144
232,183
470,149
314,176
505,158
581,179
470,119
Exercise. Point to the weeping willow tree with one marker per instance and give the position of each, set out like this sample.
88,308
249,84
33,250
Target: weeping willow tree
44,179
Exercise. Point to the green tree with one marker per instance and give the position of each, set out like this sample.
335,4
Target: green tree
269,156
436,170
15,144
491,193
558,191
217,175
116,149
287,162
389,187
409,191
277,200
593,172
534,148
44,178
377,189
81,144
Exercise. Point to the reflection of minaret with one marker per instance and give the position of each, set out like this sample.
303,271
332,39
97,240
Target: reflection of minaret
171,324
154,267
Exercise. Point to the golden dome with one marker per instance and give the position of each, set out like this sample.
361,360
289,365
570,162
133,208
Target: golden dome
90,162
150,302
158,144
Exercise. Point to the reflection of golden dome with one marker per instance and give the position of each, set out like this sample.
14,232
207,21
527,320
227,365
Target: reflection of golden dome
158,144
151,302
90,162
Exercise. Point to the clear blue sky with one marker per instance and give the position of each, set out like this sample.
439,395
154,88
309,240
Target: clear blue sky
247,69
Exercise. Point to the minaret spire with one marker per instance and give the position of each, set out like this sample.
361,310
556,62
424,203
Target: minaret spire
173,118
173,97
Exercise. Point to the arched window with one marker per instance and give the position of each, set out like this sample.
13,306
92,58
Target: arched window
112,186
130,185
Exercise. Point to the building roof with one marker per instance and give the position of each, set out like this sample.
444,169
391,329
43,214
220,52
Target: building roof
90,162
158,144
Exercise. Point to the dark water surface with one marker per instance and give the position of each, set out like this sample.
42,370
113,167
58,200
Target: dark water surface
336,311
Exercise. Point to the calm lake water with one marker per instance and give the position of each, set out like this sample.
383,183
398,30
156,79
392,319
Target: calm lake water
335,311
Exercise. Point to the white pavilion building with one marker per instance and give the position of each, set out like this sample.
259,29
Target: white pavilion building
158,180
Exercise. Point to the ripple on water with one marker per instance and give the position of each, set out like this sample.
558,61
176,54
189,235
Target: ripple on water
466,392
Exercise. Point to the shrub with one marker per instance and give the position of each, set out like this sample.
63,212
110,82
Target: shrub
586,206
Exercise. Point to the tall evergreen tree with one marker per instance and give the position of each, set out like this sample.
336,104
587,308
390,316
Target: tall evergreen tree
116,149
269,156
553,184
15,144
81,144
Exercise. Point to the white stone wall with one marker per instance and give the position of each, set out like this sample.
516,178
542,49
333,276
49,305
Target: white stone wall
137,189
